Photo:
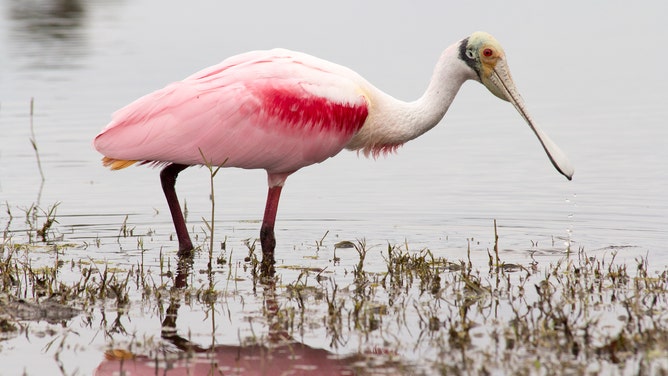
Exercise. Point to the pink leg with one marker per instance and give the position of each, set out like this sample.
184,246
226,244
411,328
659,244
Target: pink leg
168,179
267,238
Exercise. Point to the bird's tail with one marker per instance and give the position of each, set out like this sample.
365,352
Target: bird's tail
116,164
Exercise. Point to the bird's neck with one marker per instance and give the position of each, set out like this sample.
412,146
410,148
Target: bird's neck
449,75
393,122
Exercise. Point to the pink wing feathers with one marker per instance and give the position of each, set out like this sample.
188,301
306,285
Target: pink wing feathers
275,110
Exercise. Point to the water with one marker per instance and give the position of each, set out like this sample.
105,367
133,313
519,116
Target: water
590,74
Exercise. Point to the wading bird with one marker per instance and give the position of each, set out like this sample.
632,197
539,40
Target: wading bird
281,110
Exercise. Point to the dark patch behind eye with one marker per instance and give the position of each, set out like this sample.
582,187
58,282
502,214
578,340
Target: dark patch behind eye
469,61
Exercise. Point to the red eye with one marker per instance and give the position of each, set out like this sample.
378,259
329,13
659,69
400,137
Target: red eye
487,52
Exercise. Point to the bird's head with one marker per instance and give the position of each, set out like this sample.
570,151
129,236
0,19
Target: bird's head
482,53
485,56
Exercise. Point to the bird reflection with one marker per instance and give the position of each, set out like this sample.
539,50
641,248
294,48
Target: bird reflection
281,355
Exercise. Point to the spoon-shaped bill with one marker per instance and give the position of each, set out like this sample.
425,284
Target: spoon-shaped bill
505,89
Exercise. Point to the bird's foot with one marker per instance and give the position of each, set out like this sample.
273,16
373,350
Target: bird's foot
186,249
268,242
185,253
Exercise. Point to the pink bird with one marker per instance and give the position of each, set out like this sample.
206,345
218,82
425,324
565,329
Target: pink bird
281,110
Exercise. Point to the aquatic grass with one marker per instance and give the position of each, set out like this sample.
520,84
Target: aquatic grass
210,224
6,231
34,230
578,314
33,140
50,219
575,314
125,231
319,243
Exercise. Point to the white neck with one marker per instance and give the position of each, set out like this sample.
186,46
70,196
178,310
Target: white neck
392,122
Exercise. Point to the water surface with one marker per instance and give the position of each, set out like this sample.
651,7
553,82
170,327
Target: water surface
590,74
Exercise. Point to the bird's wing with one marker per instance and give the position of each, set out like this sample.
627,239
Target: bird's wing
277,110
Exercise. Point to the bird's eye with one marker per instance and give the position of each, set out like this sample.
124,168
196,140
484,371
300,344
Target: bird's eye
469,54
487,52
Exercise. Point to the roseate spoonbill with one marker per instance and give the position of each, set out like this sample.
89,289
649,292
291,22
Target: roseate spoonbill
281,110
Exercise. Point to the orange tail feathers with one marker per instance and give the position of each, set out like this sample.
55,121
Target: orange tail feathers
116,164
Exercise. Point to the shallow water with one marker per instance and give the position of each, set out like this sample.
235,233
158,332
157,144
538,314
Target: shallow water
595,87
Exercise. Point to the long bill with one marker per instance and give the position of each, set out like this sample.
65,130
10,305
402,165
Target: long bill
503,82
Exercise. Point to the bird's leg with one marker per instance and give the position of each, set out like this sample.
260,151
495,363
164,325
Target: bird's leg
168,179
267,238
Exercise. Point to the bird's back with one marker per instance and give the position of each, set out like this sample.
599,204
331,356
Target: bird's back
277,110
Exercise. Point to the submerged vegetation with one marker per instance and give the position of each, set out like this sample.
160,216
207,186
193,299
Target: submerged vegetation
385,309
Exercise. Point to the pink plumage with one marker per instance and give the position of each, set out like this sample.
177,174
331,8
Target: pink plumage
280,110
275,110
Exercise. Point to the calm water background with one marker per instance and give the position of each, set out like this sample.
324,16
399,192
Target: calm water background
592,74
